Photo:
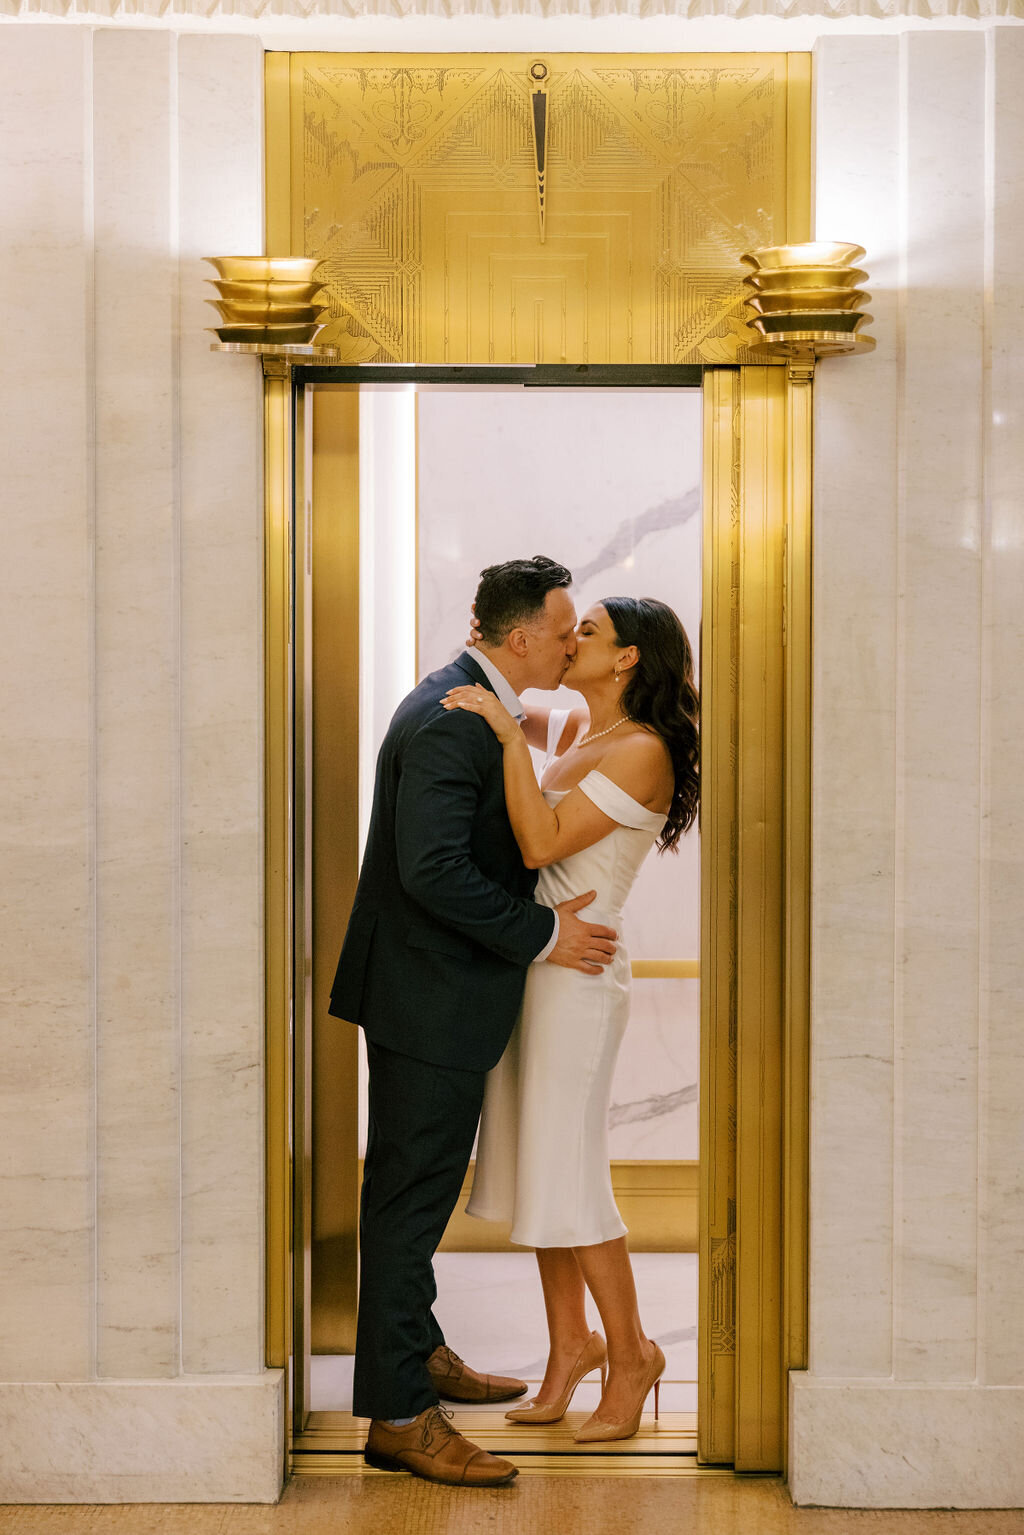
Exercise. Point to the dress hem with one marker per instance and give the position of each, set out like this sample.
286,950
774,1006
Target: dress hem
572,1241
503,1218
483,1215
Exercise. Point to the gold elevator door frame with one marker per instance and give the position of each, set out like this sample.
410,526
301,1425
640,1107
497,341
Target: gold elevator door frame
755,649
755,860
327,601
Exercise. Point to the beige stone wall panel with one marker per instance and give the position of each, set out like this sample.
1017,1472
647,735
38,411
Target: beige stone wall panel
220,139
854,739
46,605
940,633
137,702
132,1194
1001,1099
917,1340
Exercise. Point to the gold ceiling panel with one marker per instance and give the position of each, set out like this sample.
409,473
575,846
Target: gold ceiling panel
415,179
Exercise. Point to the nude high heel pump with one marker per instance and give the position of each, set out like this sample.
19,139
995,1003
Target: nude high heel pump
596,1428
594,1356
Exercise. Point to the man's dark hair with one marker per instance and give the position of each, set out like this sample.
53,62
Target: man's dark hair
514,593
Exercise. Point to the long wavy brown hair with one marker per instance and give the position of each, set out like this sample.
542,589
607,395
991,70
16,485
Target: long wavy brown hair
661,694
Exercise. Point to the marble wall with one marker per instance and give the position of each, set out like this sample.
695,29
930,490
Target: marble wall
131,1096
915,1387
130,1275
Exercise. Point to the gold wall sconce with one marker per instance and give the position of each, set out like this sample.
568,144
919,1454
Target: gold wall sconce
266,305
804,300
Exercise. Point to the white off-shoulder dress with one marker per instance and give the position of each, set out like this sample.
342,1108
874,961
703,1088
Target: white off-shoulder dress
542,1154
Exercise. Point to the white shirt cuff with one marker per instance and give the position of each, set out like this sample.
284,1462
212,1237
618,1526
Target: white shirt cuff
546,950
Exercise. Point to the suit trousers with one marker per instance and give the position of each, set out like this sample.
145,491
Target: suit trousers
422,1121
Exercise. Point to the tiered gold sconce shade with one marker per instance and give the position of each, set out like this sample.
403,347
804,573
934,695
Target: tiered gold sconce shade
266,300
805,300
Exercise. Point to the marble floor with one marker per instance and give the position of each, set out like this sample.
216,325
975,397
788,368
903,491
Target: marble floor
491,1309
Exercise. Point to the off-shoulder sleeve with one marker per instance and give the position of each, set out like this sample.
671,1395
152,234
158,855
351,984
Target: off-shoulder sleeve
556,724
622,807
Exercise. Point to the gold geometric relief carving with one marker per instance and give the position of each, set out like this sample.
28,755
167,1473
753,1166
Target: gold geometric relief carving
452,232
722,1289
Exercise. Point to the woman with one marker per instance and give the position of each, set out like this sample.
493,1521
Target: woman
620,774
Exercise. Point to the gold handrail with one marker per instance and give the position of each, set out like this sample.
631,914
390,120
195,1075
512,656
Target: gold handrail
666,969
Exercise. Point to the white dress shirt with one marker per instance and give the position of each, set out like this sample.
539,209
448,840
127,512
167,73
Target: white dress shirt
508,696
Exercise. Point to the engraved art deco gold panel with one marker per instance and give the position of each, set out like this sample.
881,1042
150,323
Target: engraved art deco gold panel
415,179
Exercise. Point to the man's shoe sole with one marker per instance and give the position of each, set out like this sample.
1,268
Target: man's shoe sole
389,1463
480,1401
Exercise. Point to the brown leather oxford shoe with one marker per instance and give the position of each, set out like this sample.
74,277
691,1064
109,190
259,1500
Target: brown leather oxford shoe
431,1448
453,1379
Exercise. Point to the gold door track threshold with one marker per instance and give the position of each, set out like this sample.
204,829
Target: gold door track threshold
575,1464
332,1444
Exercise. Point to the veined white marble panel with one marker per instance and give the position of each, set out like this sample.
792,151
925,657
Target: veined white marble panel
937,911
608,481
46,1087
857,135
137,983
1001,1225
655,1114
888,1444
220,135
190,1440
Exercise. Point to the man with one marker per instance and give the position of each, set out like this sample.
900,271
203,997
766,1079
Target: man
432,969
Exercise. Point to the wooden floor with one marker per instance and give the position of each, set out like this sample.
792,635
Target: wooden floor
399,1505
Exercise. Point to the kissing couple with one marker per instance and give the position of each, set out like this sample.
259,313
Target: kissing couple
482,961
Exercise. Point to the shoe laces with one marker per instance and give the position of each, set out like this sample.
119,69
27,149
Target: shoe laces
441,1419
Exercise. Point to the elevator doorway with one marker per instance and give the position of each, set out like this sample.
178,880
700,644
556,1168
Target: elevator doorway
453,478
343,443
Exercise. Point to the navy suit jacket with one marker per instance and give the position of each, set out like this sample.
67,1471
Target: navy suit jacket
443,925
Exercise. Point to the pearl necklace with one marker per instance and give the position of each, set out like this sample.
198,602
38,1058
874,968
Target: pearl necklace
608,728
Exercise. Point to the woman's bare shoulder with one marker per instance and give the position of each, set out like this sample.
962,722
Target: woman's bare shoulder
640,763
641,745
